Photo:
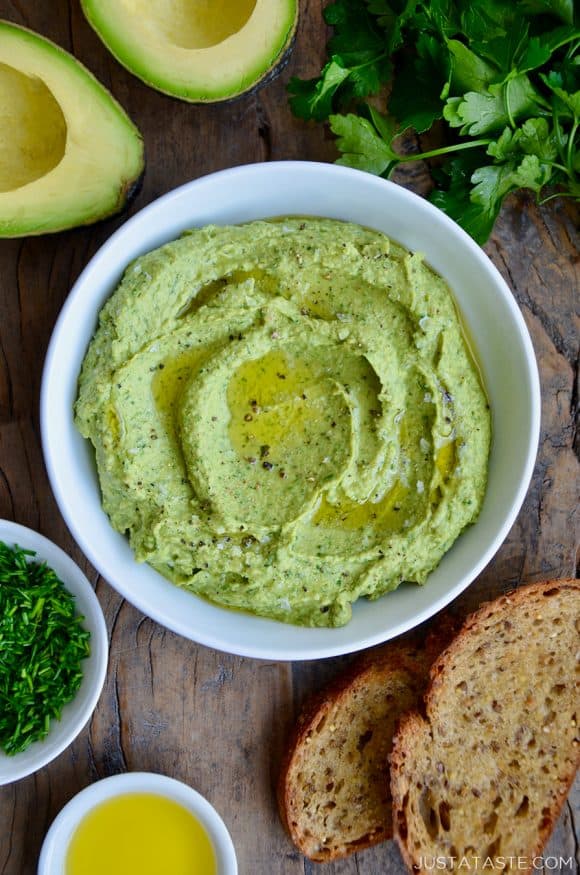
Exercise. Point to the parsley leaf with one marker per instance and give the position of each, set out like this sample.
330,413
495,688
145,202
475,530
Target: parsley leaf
505,51
482,21
419,108
499,78
469,71
358,65
358,46
570,101
494,182
533,138
392,18
312,99
453,196
563,9
559,37
361,145
480,112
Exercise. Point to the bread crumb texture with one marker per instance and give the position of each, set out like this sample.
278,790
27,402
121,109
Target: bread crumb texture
333,793
486,774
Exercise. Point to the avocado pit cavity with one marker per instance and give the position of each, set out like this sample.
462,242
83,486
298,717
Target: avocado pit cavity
193,24
33,129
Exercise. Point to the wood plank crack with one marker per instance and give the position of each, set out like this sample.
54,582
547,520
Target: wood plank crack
10,832
264,129
120,724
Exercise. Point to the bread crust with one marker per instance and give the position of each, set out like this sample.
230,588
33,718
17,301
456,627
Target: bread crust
378,665
486,611
413,728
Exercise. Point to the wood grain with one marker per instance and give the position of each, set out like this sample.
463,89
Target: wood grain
218,722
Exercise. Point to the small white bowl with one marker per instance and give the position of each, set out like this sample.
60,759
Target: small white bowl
57,841
494,324
76,714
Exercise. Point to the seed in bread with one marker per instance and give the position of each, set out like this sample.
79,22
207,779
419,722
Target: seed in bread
333,792
485,775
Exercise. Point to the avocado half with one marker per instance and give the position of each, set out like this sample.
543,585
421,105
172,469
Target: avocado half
202,51
69,155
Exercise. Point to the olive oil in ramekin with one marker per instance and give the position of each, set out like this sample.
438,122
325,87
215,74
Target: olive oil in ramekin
140,834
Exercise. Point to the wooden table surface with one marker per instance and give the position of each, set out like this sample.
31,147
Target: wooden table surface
215,721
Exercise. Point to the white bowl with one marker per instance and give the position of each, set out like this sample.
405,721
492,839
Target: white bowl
56,843
76,714
494,322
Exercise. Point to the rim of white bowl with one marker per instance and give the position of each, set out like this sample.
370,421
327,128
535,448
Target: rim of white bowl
314,171
57,840
77,713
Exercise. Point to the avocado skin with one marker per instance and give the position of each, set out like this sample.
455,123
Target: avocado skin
128,196
268,76
128,188
134,189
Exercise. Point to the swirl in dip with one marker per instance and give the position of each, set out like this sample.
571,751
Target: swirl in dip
286,416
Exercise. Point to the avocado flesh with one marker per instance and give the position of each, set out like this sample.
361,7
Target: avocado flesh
196,50
69,155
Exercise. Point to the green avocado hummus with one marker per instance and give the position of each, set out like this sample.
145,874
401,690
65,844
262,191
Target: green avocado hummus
286,416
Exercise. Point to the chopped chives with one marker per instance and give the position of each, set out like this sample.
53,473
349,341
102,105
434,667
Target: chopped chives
42,643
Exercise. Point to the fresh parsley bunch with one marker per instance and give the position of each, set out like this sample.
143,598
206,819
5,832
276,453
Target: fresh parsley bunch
503,76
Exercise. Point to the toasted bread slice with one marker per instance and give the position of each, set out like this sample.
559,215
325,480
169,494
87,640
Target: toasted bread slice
333,791
484,776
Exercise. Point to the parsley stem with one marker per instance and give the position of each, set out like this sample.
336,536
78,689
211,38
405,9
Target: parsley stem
552,197
570,150
458,147
508,108
370,63
555,164
558,134
573,48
